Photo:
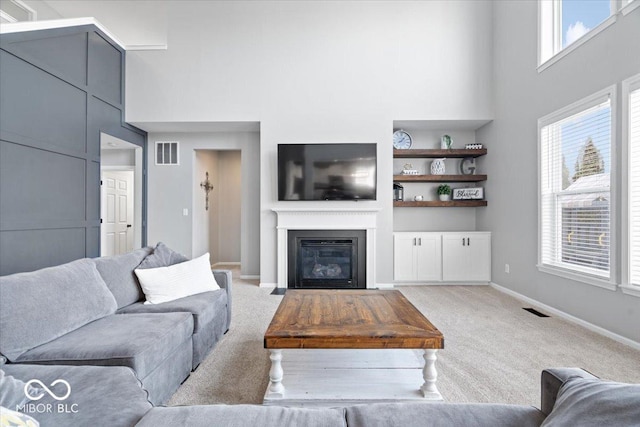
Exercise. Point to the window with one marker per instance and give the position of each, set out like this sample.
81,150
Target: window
631,90
167,153
575,190
565,24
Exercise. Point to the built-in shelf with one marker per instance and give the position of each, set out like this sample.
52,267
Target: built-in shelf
439,153
440,204
436,153
439,178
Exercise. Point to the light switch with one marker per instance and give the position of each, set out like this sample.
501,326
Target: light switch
185,212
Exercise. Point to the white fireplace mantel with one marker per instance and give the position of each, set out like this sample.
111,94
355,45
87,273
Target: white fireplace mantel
326,219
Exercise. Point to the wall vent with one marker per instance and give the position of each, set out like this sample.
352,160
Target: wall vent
536,312
167,153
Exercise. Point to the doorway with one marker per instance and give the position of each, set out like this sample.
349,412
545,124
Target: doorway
120,196
217,225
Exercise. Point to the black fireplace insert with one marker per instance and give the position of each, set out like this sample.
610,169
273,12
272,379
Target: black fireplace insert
327,259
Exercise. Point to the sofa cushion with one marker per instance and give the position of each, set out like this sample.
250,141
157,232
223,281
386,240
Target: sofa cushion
243,415
68,296
590,402
117,272
139,341
164,284
162,256
442,415
104,396
203,306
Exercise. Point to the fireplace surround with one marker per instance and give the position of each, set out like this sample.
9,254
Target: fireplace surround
364,219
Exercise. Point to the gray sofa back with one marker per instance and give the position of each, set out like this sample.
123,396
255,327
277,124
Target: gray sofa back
40,306
117,272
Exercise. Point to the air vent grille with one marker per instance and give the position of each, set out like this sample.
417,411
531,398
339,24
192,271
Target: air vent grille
167,153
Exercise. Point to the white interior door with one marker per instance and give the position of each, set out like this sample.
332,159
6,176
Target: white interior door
117,229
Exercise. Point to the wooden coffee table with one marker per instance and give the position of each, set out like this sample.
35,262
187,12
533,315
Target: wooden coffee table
350,319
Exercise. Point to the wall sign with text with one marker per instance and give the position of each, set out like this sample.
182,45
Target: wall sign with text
476,193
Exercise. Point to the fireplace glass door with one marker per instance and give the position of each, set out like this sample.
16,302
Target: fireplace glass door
326,260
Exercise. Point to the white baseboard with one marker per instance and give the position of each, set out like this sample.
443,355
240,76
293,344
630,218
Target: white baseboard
227,263
569,317
268,285
250,276
383,286
441,284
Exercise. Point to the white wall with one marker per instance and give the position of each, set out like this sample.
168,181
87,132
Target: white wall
522,95
311,72
172,188
124,158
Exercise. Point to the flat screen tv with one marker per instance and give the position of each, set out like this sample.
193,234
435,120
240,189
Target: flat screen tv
341,171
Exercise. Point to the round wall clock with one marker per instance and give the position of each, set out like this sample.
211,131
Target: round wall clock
401,140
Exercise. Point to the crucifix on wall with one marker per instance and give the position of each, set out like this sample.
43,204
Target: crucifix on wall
206,185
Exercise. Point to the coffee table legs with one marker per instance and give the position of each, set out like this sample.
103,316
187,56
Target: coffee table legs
276,389
429,389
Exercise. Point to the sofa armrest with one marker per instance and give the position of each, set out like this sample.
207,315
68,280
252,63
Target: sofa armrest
223,277
552,379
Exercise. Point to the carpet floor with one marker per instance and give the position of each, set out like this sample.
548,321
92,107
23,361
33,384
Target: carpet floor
494,350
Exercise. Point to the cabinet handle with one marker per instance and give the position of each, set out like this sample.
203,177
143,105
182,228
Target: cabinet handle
468,242
463,244
420,241
414,241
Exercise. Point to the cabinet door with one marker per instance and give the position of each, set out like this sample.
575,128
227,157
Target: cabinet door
455,253
428,257
404,257
479,249
466,257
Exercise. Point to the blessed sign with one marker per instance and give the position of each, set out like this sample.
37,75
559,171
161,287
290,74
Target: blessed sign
476,193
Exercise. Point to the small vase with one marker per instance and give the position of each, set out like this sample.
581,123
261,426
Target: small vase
437,167
445,197
445,142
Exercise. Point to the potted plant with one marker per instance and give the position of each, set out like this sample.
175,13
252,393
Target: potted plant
444,192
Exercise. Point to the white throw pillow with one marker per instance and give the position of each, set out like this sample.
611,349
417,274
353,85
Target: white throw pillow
177,281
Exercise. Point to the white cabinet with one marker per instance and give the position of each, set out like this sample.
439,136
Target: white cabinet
442,257
466,257
417,257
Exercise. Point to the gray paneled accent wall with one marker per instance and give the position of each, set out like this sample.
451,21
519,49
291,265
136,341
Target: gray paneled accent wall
59,89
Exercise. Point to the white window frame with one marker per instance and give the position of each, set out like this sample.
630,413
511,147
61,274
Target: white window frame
550,48
577,107
628,6
628,86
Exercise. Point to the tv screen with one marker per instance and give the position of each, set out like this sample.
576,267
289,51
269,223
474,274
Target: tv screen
327,171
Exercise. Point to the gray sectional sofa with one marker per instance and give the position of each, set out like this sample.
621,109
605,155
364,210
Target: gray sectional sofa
91,312
114,397
97,356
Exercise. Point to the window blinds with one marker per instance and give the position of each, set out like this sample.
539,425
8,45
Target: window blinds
575,162
634,186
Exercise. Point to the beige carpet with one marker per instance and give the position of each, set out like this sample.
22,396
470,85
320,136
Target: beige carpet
494,350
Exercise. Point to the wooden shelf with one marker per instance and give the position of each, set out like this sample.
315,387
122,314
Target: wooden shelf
436,153
438,203
439,178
